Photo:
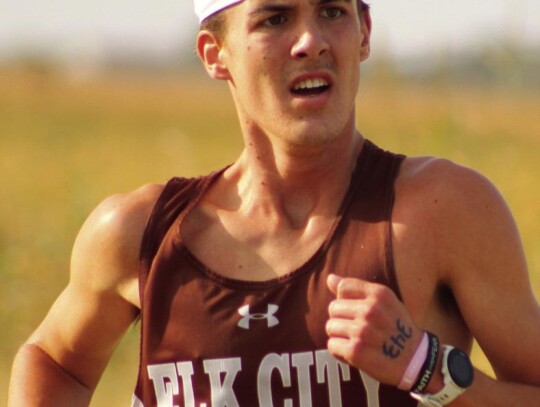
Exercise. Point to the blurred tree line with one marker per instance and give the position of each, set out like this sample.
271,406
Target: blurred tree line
503,63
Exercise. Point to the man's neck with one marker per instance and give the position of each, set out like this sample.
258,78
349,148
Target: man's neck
268,206
295,183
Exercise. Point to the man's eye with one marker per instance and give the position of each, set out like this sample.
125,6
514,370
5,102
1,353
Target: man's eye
332,12
275,20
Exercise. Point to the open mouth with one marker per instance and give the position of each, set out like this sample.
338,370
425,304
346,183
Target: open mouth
311,87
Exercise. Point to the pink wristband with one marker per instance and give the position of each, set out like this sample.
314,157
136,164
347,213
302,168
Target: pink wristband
413,369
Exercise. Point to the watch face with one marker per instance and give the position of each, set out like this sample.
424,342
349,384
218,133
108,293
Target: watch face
460,368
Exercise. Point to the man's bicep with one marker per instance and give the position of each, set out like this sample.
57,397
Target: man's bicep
506,324
81,331
91,315
492,286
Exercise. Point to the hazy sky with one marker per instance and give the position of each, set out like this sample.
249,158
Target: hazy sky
87,27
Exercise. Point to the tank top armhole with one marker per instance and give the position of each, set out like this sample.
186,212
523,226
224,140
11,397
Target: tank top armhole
178,193
390,265
151,239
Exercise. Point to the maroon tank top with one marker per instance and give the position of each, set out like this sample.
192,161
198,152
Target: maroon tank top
212,341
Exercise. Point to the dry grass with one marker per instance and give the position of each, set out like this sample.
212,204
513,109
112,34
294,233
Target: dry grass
65,145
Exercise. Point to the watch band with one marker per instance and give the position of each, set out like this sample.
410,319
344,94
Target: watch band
449,392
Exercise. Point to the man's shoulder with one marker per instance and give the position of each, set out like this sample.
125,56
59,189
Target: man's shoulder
121,218
126,212
108,244
445,183
443,208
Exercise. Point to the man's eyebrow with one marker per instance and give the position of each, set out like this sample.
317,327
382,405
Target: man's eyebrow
333,1
280,7
271,7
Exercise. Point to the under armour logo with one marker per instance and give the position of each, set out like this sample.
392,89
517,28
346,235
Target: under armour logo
271,320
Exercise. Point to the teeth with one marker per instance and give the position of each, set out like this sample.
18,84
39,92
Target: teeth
310,84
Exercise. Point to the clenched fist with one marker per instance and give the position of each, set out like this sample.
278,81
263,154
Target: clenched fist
370,328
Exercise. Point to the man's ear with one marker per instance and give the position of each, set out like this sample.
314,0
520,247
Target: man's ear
210,51
365,26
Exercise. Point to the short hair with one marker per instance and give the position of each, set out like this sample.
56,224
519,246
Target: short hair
216,23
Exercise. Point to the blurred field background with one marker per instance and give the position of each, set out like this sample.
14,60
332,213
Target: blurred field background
68,141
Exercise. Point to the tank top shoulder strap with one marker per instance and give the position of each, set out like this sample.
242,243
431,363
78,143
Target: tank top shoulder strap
177,196
370,205
391,163
173,199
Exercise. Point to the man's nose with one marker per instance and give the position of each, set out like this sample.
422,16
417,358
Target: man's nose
310,42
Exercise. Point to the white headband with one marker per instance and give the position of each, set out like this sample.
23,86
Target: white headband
205,8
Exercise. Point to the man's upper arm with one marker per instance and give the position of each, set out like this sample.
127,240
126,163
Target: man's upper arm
91,315
489,278
454,229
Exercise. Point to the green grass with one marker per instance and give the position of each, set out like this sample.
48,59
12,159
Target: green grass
65,145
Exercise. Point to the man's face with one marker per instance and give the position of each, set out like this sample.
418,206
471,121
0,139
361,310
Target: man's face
293,66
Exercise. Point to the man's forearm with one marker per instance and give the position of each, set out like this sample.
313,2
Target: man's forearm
491,393
38,381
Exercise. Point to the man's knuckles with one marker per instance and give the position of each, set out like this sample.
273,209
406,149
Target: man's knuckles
350,329
350,309
353,288
377,310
